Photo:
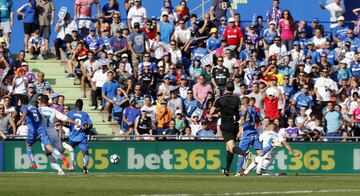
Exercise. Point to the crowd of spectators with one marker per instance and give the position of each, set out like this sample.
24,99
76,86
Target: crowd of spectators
160,75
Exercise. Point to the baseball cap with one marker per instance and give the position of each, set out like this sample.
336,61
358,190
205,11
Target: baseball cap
153,17
164,14
271,93
124,55
274,78
213,30
167,77
107,28
178,112
341,18
223,18
31,85
136,25
167,6
252,27
183,77
37,31
343,62
47,86
310,43
110,52
296,43
231,19
316,20
303,31
272,23
147,64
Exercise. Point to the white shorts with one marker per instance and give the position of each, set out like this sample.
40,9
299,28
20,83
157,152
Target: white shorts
84,23
55,142
264,165
5,26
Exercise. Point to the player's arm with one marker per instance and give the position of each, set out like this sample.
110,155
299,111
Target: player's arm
24,113
286,144
136,125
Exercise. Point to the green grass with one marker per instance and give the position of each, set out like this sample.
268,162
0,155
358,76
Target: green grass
171,184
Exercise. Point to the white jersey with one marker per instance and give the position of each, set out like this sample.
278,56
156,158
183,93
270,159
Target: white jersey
49,117
265,138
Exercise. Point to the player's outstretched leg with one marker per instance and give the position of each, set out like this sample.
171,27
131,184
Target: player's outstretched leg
31,156
54,164
57,154
72,155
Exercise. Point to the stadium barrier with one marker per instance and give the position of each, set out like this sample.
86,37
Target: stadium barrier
1,156
189,157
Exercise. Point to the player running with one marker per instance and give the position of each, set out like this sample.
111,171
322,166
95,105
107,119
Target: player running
229,105
49,117
250,136
36,129
262,163
77,135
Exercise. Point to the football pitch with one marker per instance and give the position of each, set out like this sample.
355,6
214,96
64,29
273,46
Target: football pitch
175,184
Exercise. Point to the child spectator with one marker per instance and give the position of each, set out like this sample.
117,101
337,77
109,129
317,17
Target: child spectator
36,46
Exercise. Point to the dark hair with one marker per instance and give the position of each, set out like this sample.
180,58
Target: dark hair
245,100
229,86
44,99
24,99
79,104
193,15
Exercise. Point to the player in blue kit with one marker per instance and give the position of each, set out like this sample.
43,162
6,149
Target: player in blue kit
250,136
77,135
36,129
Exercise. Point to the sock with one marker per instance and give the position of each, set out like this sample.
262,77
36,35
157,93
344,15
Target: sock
237,150
266,149
56,153
229,158
54,164
30,153
86,160
72,158
251,166
240,164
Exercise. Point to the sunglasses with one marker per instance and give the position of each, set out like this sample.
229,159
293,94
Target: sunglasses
172,44
147,56
136,89
189,93
2,108
172,68
306,88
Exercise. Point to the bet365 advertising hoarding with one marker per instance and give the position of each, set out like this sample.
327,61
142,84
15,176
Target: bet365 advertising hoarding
199,157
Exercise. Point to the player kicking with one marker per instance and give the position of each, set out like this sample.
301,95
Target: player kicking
262,163
77,135
250,136
36,129
49,117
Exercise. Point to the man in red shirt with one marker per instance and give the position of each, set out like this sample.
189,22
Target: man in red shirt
356,120
271,102
234,35
150,32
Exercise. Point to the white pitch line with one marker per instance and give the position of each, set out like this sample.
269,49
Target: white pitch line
266,193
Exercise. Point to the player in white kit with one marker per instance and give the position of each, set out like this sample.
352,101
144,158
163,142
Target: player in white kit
49,117
263,163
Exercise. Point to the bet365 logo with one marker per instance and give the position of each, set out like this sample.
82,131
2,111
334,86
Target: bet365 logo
236,2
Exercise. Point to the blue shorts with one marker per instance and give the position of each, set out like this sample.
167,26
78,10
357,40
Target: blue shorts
33,135
83,144
251,139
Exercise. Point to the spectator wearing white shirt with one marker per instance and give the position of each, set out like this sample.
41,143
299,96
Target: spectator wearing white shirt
158,48
336,9
324,87
297,54
277,48
182,34
37,46
62,28
137,13
97,82
175,53
318,40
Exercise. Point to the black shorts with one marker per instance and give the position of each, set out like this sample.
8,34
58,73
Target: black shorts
29,28
229,131
45,31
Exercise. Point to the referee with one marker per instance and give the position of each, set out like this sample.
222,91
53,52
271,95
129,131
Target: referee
229,105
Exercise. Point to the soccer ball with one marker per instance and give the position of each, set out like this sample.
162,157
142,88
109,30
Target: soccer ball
114,159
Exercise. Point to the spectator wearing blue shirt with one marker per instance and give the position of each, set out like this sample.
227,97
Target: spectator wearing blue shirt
27,13
315,55
221,27
205,132
269,34
119,104
334,123
247,52
303,40
109,92
330,53
355,66
214,41
190,103
118,43
339,32
166,28
285,69
343,73
129,116
108,10
354,41
302,99
94,42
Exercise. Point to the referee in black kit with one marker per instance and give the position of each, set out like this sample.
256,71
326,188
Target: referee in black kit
229,105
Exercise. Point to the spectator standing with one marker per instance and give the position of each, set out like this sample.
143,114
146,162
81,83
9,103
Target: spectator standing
129,116
45,11
333,120
275,13
137,14
287,28
63,28
6,122
200,89
28,15
32,94
83,10
220,75
97,82
109,9
234,35
166,28
336,10
219,9
109,93
357,22
6,18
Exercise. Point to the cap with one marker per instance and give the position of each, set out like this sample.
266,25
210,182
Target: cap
197,59
178,112
341,18
308,57
272,23
24,64
47,86
136,25
110,52
107,28
316,20
30,85
167,77
252,27
213,30
343,62
310,43
314,65
348,43
167,6
37,31
274,78
147,64
183,77
273,57
296,43
327,43
164,14
166,54
271,94
153,17
132,99
303,31
92,28
55,95
247,41
124,55
143,110
231,19
223,18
